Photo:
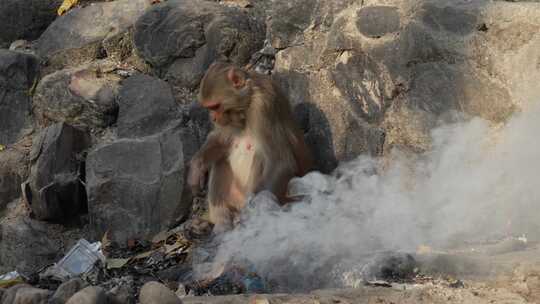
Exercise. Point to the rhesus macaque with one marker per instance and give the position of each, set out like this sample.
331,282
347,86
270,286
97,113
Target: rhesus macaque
255,144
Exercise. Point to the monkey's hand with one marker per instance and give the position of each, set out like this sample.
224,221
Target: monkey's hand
196,176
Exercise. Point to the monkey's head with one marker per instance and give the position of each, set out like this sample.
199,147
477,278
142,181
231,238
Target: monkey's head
226,92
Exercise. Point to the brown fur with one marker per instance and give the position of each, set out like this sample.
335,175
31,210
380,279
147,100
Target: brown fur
255,144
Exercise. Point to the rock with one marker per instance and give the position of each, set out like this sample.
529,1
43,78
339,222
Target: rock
121,295
31,295
25,19
157,293
452,19
135,186
78,37
370,78
377,21
14,169
21,45
66,290
83,97
10,293
288,20
89,295
181,38
55,188
26,245
18,74
147,106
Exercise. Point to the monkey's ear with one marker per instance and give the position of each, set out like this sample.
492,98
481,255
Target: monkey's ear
237,77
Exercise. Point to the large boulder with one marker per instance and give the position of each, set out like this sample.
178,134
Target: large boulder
135,186
181,38
84,97
146,105
25,19
26,245
365,78
54,189
18,74
86,33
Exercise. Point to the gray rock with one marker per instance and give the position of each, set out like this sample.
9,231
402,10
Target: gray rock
25,19
56,191
135,186
157,293
121,295
26,245
18,73
9,295
14,169
181,38
31,295
147,106
66,290
89,295
83,97
353,94
288,21
377,21
454,19
77,37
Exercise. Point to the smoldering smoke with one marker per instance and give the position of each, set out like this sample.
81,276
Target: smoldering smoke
476,183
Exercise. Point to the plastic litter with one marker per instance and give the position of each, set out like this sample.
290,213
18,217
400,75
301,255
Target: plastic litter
80,259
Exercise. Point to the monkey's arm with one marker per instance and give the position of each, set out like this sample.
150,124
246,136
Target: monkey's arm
215,148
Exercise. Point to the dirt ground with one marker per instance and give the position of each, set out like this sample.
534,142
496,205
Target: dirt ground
507,272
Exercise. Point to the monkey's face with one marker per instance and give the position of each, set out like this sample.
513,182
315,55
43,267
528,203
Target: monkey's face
225,92
226,117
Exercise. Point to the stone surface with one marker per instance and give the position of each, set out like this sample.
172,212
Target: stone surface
66,290
55,191
181,38
10,293
377,21
18,73
14,169
372,77
26,245
25,19
83,97
135,186
89,295
31,295
122,294
146,105
78,36
157,293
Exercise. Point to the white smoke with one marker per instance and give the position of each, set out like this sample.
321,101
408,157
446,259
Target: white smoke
475,184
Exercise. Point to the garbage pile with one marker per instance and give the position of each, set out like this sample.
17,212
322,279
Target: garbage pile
167,258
